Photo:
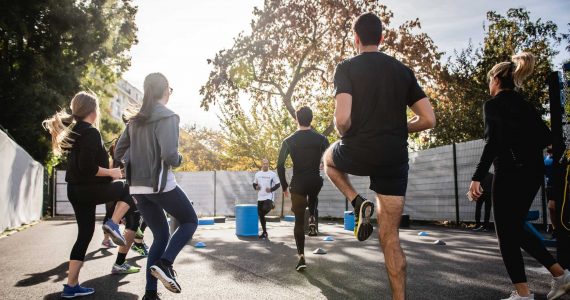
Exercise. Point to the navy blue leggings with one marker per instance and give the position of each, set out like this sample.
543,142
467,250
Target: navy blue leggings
152,207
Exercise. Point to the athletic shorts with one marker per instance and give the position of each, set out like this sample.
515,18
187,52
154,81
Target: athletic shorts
389,180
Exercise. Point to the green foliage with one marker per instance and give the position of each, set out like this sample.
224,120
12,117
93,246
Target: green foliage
288,60
464,85
202,149
49,50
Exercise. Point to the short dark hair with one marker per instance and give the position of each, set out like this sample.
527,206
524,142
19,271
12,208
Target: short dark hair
368,27
304,116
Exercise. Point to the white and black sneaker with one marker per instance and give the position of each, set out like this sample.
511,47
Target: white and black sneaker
312,226
363,210
166,275
301,264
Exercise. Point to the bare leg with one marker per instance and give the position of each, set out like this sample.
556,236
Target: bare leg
129,237
120,210
522,289
338,178
73,273
389,212
556,270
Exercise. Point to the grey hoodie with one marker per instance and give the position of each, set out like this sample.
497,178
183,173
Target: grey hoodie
149,149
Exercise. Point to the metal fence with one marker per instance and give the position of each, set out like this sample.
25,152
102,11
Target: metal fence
432,194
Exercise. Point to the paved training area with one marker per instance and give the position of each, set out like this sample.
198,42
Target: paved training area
33,265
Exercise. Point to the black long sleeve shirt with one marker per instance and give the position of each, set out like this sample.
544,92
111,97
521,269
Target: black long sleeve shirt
86,155
306,148
514,133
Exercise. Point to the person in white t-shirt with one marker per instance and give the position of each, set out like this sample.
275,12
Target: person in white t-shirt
265,182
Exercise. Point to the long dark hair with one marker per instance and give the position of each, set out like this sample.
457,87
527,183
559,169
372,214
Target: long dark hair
155,85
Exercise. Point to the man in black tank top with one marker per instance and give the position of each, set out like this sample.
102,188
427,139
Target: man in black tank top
373,92
306,148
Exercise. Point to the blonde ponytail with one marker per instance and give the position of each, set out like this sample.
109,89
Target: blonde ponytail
61,124
524,63
512,74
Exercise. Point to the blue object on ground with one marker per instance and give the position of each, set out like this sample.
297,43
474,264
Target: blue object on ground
200,245
206,221
423,233
289,218
328,239
246,220
349,220
532,216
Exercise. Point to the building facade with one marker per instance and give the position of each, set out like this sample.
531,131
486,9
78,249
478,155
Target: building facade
125,95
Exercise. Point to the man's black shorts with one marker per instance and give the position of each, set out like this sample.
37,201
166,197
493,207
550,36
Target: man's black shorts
390,180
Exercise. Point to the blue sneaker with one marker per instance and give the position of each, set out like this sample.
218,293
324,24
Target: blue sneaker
113,229
76,291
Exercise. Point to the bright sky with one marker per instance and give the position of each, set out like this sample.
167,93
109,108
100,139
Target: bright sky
177,36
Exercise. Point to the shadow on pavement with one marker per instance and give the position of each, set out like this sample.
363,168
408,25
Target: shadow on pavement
60,271
106,287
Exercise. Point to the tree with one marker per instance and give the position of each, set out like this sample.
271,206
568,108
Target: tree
49,50
202,149
288,60
464,85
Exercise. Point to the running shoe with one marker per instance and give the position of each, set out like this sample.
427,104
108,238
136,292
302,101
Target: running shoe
515,296
312,226
363,210
108,243
151,295
263,236
113,229
166,275
125,268
559,286
139,234
301,264
141,249
76,291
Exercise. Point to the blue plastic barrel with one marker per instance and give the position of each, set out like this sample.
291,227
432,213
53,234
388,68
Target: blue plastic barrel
349,220
246,220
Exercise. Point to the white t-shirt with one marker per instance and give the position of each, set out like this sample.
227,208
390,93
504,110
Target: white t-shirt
145,190
265,180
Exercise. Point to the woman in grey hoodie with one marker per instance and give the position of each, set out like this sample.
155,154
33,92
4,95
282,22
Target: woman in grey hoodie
148,149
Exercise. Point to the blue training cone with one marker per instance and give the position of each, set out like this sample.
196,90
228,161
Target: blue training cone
328,239
423,233
200,245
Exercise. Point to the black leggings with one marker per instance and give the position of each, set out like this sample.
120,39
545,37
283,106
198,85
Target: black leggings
486,200
304,192
513,194
263,208
84,198
132,217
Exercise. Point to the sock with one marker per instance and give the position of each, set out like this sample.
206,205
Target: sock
353,202
139,244
121,258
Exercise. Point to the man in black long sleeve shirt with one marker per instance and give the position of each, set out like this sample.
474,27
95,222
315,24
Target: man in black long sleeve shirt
306,148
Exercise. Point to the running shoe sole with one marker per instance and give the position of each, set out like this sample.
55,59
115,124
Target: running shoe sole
168,283
115,236
301,268
364,228
312,230
564,289
77,295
